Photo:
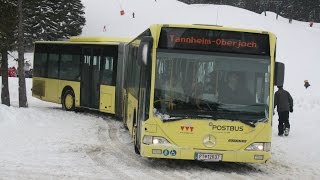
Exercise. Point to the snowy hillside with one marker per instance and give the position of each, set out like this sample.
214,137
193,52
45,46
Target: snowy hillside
297,42
45,142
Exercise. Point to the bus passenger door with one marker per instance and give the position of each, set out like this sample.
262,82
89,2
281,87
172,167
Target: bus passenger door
85,78
95,99
144,87
90,81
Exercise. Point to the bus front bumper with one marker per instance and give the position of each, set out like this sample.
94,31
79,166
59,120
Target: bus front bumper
169,152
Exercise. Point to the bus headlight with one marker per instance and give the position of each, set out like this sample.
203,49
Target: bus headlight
259,147
155,140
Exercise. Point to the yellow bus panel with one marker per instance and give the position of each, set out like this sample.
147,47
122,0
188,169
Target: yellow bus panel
107,99
187,137
51,89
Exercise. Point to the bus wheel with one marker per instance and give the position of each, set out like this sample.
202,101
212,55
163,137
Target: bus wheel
124,121
68,100
136,142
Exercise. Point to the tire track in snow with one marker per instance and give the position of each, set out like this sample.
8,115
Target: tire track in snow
163,170
112,156
108,134
129,153
97,155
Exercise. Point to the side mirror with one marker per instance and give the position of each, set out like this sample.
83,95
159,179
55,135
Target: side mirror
279,74
144,49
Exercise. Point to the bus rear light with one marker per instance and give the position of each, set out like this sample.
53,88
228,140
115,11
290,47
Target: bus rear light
155,140
259,147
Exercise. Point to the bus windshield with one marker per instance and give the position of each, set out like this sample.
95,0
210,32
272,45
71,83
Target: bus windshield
203,85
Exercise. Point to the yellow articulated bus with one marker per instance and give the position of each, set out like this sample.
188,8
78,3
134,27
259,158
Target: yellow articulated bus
78,72
200,92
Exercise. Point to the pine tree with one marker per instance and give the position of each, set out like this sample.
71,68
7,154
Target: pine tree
53,19
71,18
42,20
291,9
23,102
7,40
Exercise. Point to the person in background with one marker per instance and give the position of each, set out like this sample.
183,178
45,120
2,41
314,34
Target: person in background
12,72
306,84
311,24
284,103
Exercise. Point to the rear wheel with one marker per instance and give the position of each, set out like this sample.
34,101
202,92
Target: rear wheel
68,100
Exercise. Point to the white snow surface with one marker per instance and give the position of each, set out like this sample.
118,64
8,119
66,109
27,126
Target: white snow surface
45,142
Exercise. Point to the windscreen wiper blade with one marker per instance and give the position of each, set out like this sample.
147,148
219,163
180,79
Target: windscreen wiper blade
202,116
173,118
249,123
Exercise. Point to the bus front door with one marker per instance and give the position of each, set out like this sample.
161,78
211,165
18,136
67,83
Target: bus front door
90,78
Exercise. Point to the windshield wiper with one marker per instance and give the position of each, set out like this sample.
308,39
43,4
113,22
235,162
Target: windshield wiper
175,118
249,123
241,112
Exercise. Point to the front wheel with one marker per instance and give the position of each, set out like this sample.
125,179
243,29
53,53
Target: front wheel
68,100
136,141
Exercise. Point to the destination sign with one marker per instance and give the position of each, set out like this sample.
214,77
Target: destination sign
214,41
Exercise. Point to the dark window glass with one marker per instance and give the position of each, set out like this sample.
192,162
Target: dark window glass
107,71
134,74
214,41
70,67
109,66
70,62
53,66
96,60
133,79
40,65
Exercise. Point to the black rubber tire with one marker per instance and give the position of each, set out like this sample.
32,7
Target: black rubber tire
136,149
135,143
68,96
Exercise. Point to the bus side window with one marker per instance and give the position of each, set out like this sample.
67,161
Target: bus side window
40,67
53,66
69,67
107,71
70,63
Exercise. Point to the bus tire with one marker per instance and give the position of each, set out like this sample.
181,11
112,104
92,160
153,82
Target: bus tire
136,149
135,132
125,123
68,100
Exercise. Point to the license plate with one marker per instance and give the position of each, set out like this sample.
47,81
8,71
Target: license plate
208,157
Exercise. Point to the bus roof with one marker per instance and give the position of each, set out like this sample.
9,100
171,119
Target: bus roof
90,40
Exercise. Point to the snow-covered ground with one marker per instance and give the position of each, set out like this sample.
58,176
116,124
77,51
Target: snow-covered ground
45,142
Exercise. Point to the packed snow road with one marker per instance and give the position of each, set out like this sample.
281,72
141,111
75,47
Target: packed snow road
49,143
45,142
